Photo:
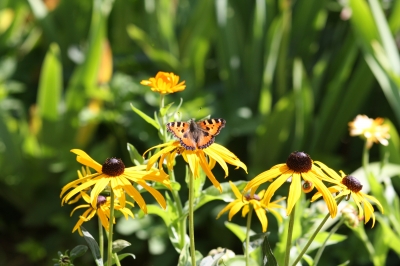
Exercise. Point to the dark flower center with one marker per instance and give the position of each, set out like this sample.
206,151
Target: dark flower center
113,167
299,161
255,197
352,183
101,200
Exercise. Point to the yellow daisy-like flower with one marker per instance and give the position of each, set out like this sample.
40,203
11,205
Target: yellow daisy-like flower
372,130
346,185
113,174
259,206
298,166
164,83
197,159
102,210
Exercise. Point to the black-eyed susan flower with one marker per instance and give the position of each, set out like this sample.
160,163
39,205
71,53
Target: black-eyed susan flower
372,130
197,159
244,202
347,185
164,83
113,175
298,166
102,210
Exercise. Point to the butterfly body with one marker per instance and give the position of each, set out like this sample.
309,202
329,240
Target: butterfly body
196,135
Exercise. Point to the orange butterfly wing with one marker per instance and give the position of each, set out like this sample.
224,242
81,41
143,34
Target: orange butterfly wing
210,128
198,135
182,132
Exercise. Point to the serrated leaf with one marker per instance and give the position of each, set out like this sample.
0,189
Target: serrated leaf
119,245
136,158
94,247
146,118
78,251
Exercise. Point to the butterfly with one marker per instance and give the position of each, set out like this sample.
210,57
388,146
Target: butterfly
196,135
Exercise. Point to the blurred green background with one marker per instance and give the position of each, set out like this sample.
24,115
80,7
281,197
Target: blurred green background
286,75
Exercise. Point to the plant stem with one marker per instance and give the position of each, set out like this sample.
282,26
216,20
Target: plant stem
101,238
179,208
314,235
110,229
247,253
191,221
321,249
289,236
116,259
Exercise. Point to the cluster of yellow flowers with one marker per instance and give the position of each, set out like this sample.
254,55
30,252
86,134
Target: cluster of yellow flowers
300,171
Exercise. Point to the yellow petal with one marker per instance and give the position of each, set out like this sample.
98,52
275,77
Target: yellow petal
85,159
267,176
226,155
294,192
97,189
207,170
156,194
235,208
326,194
261,214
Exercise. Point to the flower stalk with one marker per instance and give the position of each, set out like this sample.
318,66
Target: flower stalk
314,235
101,238
289,236
110,230
191,220
248,228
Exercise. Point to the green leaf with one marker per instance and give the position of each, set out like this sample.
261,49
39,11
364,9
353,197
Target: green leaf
136,158
94,247
145,42
123,256
268,256
239,231
50,84
146,118
164,110
78,251
239,260
119,245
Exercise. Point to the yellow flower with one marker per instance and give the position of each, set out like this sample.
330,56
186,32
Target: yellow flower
197,159
259,206
298,166
164,83
102,210
372,130
347,185
113,174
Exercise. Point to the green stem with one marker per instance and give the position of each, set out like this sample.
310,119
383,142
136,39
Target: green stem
314,234
370,248
179,209
321,249
110,230
248,234
116,259
289,236
101,238
191,221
